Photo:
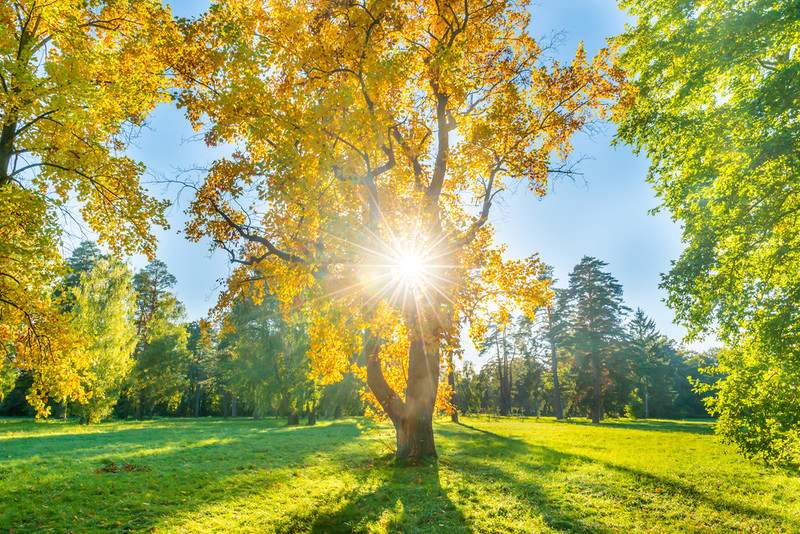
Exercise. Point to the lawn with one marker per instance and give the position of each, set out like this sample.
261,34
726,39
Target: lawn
493,475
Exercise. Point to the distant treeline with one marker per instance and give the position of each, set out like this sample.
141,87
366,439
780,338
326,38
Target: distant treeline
141,359
577,357
580,357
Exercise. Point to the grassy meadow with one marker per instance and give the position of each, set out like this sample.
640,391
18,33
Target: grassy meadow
493,475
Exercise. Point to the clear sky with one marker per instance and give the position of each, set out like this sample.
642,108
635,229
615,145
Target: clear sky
604,213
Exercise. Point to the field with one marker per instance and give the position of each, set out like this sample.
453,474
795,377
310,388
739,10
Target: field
498,475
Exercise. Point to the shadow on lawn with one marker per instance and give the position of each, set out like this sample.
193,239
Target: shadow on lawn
182,473
259,455
413,498
407,499
690,427
551,459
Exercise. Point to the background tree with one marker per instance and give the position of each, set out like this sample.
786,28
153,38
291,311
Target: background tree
503,345
202,347
649,353
161,356
531,389
551,325
716,113
374,139
162,361
595,315
467,394
80,263
268,366
102,316
76,80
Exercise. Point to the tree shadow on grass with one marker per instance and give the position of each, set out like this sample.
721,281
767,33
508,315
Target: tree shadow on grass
548,459
647,425
181,472
416,498
405,498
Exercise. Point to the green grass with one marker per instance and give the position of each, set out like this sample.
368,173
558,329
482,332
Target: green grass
500,475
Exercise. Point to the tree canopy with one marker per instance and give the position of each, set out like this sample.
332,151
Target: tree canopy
717,113
76,81
373,138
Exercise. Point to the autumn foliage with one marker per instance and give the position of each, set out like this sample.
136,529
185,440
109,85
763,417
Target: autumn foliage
77,79
372,137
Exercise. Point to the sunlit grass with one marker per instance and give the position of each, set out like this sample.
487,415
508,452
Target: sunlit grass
498,475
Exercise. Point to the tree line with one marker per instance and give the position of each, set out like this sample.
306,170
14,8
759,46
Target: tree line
583,354
145,359
575,357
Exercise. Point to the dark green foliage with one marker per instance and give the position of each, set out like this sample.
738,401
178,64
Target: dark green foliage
594,337
641,373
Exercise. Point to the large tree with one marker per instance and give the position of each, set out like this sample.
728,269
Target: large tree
76,80
717,113
372,140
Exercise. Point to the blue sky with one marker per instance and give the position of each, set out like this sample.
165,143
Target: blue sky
604,213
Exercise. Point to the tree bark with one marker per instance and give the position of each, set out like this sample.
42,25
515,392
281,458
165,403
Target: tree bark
595,392
646,402
412,419
233,406
451,380
197,400
559,412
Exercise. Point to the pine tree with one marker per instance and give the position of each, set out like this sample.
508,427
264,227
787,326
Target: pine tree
595,312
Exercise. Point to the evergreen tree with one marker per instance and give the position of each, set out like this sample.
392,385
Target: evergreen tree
551,318
162,359
595,312
649,354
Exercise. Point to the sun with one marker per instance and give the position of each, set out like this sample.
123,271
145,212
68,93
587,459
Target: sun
410,271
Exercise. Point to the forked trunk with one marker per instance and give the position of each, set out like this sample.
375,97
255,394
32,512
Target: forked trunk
412,419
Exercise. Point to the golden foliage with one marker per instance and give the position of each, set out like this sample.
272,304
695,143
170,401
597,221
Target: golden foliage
367,130
77,80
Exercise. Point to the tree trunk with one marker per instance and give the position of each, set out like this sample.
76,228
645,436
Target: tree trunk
197,400
312,417
646,402
595,392
556,387
415,436
293,418
502,375
412,419
233,406
451,380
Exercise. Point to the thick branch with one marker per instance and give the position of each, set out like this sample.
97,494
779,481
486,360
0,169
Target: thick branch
387,397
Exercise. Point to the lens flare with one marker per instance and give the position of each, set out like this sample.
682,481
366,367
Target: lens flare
409,271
